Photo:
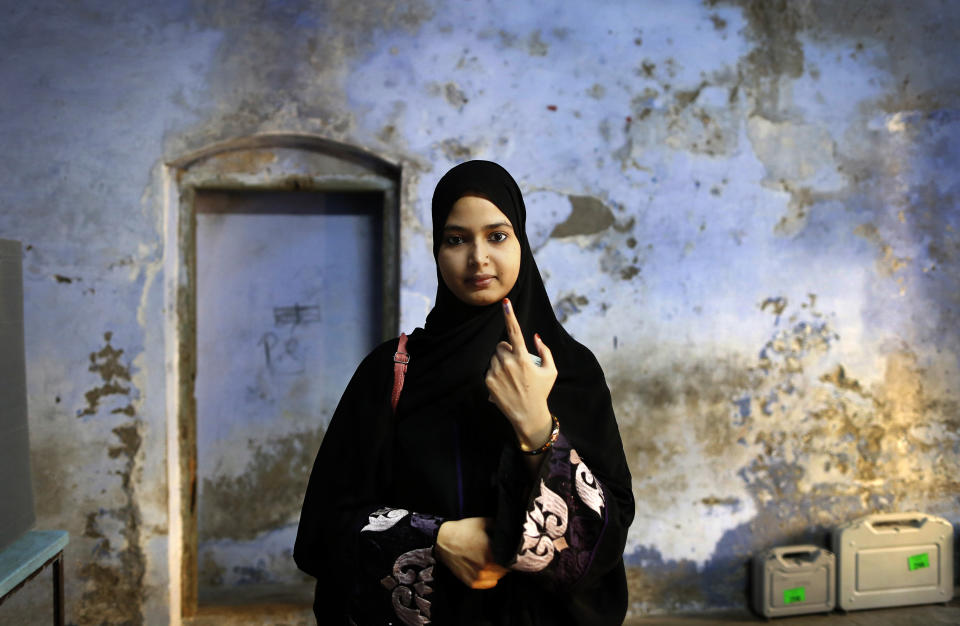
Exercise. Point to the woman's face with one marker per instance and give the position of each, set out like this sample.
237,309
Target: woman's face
479,257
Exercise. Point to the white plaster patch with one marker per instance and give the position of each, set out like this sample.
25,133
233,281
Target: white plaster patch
545,209
678,522
414,307
796,152
895,123
836,85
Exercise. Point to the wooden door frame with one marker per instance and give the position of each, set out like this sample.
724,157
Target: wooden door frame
276,162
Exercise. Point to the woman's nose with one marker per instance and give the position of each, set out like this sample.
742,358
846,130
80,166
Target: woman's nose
478,254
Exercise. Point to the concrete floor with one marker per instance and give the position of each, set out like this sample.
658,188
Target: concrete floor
19,612
927,615
275,615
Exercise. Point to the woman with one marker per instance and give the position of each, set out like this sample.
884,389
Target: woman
498,492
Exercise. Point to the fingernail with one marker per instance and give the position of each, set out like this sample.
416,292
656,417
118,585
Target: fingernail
537,336
506,305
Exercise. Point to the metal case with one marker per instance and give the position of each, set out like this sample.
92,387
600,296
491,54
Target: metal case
893,559
794,580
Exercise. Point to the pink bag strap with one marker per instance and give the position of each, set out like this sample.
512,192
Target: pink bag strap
400,361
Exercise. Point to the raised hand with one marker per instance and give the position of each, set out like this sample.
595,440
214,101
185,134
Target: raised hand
518,387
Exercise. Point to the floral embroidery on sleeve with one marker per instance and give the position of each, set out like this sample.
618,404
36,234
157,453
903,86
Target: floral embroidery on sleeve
384,519
543,531
565,519
409,586
395,558
587,486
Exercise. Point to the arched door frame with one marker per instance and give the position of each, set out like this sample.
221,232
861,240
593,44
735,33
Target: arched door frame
274,161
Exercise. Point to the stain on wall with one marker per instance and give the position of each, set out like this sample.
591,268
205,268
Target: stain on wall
270,488
112,580
588,216
106,363
810,452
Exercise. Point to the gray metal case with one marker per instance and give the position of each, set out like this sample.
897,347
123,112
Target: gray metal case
893,559
794,580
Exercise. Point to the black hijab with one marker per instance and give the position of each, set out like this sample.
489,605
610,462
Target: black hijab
452,352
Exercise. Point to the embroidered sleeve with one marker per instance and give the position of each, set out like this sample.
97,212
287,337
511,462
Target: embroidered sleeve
565,518
396,552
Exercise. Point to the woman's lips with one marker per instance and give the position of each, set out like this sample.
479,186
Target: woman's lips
480,281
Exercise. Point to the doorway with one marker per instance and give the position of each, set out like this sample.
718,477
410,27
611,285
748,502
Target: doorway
285,276
288,302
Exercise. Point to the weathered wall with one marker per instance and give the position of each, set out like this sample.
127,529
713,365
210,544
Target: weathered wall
747,209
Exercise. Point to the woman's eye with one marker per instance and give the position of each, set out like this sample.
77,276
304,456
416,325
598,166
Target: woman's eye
498,237
453,240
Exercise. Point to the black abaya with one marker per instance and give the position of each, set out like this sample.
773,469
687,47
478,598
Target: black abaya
383,483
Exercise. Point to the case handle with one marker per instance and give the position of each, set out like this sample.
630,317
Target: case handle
796,555
895,522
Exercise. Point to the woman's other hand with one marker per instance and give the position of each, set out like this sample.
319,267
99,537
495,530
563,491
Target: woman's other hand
520,388
464,547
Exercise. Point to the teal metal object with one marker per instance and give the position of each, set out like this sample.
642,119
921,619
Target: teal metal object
27,556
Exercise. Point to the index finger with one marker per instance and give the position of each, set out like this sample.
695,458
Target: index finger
514,334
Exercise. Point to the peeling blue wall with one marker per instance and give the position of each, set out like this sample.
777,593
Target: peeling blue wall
749,210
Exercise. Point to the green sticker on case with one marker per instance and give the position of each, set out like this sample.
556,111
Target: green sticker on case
797,594
918,561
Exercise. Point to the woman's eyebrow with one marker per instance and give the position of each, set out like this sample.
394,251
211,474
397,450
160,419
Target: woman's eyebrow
487,227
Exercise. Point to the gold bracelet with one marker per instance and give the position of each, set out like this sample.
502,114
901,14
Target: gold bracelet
553,438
